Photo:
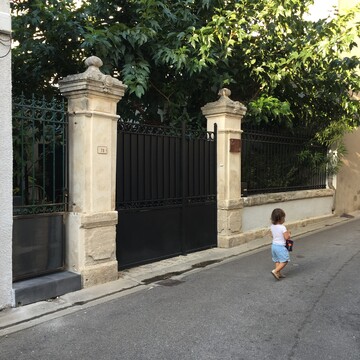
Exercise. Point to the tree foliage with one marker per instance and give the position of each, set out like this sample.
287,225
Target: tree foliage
174,56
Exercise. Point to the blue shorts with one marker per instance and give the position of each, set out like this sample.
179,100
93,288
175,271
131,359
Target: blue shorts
279,253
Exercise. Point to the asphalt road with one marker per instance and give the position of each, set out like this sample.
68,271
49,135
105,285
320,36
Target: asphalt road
231,310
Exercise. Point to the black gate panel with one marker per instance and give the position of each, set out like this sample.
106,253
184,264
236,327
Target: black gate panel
148,235
200,226
38,245
166,192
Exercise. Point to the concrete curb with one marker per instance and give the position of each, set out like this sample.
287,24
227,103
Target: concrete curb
15,319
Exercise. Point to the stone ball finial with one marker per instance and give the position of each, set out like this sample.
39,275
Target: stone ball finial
224,105
93,81
224,92
93,61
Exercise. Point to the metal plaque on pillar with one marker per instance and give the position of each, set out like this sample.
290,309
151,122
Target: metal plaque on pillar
235,145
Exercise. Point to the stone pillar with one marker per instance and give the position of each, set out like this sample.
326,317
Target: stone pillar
91,222
227,114
6,216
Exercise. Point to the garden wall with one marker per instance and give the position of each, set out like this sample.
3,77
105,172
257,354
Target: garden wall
301,208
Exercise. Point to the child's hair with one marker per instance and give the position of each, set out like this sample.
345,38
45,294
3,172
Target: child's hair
277,215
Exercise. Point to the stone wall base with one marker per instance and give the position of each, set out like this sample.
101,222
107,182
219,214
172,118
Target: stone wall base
99,274
245,237
91,247
239,239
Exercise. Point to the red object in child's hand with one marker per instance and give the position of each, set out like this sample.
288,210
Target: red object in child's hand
289,245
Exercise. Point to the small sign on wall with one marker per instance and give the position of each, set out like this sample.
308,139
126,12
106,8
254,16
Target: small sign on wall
235,145
103,150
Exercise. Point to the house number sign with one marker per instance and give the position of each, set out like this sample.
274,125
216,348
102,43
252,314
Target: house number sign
103,150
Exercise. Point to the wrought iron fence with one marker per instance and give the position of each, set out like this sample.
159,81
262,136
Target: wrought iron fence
151,162
278,162
39,156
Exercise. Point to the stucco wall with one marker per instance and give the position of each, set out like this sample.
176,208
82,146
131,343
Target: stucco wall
5,159
298,206
348,178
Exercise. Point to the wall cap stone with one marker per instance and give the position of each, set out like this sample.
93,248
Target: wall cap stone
224,105
286,196
92,80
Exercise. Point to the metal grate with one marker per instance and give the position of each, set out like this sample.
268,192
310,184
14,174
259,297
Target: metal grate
278,162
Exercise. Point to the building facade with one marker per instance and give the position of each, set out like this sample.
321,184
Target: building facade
5,157
348,178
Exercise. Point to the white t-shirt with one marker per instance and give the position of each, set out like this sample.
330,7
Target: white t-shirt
278,234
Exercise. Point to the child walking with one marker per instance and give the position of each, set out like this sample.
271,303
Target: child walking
280,255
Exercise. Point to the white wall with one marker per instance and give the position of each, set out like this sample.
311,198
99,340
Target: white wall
5,158
298,206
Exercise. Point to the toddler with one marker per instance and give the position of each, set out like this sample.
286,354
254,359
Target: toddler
280,255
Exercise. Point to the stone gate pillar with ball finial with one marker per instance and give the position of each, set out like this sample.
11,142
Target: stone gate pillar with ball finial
91,221
227,114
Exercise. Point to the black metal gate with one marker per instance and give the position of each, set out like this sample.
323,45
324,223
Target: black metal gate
166,192
39,186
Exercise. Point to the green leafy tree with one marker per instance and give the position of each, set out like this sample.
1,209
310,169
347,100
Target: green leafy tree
175,55
47,37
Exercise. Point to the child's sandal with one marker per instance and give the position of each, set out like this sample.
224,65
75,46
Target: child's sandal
275,274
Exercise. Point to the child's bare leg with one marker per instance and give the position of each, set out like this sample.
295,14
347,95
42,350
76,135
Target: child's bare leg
280,266
276,265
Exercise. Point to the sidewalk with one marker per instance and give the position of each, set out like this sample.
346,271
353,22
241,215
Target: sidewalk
134,279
